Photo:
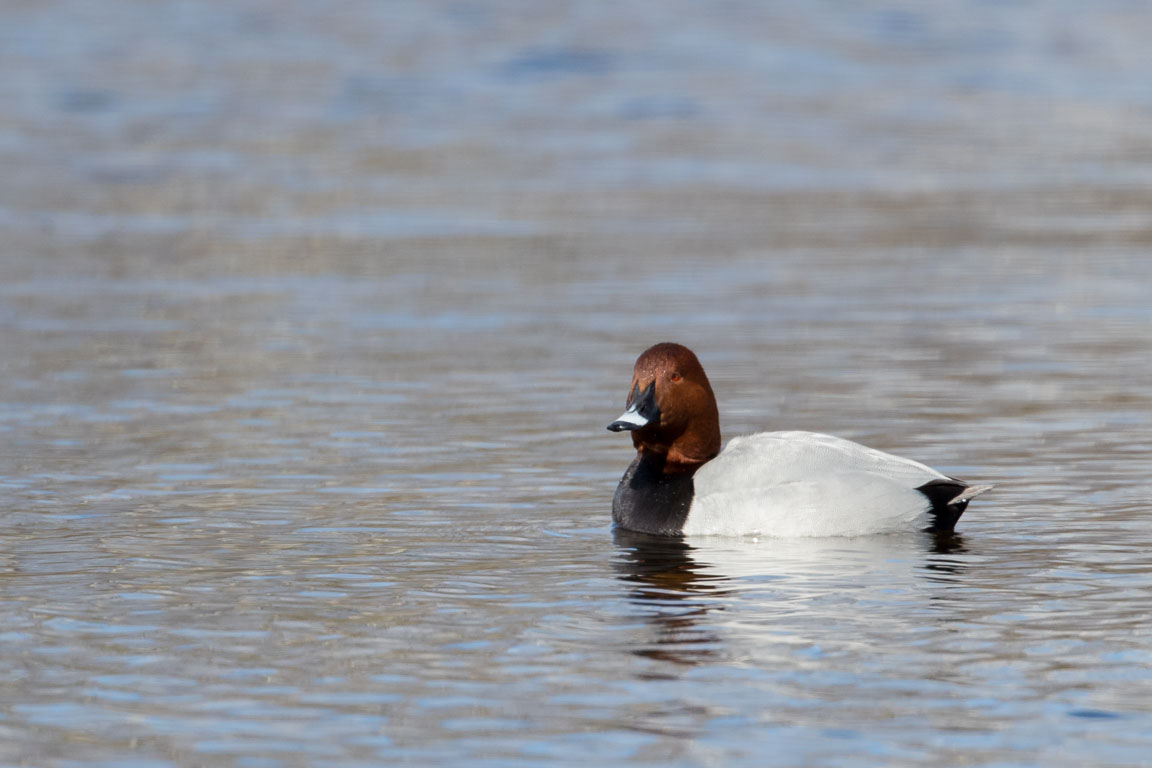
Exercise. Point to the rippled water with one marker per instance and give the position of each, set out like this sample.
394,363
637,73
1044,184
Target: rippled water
312,317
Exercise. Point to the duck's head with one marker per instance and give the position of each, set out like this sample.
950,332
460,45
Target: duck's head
671,410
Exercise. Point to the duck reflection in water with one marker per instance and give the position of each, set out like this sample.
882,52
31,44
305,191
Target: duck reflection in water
942,566
680,588
676,592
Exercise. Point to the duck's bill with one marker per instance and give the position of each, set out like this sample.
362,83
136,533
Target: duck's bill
641,412
628,420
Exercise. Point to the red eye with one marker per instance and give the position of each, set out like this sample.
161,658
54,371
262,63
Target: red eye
675,377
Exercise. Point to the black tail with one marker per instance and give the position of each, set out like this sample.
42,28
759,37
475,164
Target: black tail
949,498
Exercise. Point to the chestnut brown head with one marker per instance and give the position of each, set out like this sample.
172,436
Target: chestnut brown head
671,409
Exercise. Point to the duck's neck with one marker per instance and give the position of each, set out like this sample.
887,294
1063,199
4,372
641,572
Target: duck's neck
655,494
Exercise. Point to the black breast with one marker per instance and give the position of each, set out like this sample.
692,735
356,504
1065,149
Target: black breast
649,501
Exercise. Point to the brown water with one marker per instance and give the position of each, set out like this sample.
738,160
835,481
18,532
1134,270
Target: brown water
312,316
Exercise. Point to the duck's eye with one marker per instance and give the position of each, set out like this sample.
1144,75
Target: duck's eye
675,377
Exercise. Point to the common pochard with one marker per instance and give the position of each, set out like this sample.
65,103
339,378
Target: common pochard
770,483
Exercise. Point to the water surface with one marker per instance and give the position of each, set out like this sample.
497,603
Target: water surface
312,318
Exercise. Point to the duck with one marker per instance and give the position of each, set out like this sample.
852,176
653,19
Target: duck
782,484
